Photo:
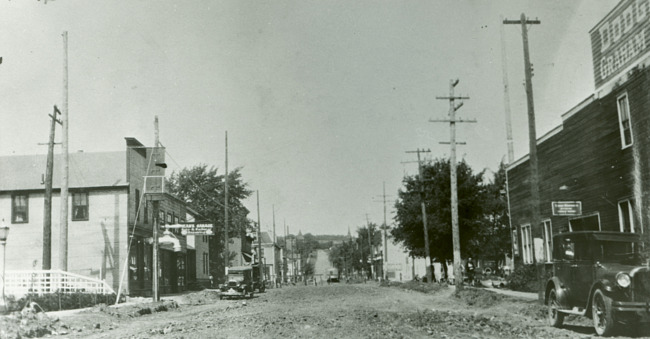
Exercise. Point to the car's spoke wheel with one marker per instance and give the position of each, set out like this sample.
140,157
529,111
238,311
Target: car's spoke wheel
555,318
601,308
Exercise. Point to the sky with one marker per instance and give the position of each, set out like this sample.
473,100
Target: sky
320,99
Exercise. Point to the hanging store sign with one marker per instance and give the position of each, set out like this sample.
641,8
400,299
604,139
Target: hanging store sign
620,40
193,229
567,208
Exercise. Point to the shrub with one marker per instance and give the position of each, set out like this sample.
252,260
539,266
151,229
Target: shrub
523,279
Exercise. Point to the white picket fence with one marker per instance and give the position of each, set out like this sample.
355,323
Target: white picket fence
20,283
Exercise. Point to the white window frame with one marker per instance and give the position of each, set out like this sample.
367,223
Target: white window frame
622,130
548,240
526,244
630,210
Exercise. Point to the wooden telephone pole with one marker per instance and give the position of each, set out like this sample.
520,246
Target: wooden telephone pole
453,107
532,135
47,216
226,250
427,252
63,231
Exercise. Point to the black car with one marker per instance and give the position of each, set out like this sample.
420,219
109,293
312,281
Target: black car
332,279
600,275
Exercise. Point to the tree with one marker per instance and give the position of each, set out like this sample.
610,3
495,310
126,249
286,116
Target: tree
351,255
493,239
203,190
437,195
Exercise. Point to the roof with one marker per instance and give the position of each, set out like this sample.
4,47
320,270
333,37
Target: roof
266,238
86,170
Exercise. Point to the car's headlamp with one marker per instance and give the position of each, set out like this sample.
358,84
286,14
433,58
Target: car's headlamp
623,280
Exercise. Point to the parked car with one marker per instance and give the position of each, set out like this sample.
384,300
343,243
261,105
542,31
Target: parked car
239,283
600,275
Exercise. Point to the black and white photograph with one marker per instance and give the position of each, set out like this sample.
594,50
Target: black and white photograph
324,169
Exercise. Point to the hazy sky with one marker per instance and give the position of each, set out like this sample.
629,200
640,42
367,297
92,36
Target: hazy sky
320,98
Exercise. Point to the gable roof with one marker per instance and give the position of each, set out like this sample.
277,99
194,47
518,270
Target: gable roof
86,170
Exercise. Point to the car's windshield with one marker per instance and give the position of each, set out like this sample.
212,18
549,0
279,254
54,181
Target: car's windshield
622,252
236,276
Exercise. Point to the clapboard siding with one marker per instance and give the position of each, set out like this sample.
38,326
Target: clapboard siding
586,156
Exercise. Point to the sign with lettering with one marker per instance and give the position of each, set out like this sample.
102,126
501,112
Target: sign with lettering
567,208
620,40
193,229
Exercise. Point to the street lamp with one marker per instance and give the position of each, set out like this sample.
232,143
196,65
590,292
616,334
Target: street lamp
4,233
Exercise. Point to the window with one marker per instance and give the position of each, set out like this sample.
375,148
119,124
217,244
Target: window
79,206
548,241
626,216
20,208
161,217
515,243
624,120
206,263
137,204
526,244
587,223
146,213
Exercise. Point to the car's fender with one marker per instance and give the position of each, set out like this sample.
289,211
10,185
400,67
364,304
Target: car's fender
604,285
560,292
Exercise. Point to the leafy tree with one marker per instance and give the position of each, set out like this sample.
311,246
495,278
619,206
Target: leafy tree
203,190
437,196
354,256
493,238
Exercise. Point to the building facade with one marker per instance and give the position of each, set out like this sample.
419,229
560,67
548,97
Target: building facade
110,225
594,169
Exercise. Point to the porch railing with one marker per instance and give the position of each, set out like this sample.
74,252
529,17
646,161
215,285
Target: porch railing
20,283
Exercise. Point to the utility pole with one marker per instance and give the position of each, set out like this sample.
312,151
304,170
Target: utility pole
259,241
384,234
47,215
63,231
156,222
427,252
532,134
453,107
506,98
226,251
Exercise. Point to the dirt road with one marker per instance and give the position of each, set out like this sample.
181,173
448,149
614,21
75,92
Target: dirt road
334,311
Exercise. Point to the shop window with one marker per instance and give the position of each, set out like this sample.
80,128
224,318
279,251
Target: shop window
206,263
587,223
526,244
624,119
79,206
548,241
20,208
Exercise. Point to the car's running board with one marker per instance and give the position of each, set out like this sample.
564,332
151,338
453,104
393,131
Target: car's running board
575,310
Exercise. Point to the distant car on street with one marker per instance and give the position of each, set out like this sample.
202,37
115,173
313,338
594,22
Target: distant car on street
601,275
239,283
332,279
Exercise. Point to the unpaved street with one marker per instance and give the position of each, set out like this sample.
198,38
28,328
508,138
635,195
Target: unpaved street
334,311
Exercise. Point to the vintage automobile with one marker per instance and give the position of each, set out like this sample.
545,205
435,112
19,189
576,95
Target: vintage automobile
600,275
239,283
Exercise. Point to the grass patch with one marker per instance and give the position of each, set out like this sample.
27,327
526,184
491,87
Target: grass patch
415,286
481,298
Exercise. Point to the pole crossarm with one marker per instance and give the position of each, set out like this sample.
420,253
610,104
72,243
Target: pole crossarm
449,143
452,98
454,120
518,22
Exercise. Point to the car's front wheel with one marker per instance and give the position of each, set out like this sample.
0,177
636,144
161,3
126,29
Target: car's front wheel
555,317
601,308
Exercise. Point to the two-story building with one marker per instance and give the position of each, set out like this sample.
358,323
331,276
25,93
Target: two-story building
110,225
594,169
